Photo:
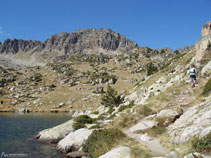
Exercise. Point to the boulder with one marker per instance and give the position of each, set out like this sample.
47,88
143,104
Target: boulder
74,140
195,121
143,125
206,70
169,113
76,154
53,135
119,152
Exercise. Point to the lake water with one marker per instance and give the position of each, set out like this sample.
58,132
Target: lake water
17,132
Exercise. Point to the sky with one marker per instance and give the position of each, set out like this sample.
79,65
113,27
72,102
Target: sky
152,23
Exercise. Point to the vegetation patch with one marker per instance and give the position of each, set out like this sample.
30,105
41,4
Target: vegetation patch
123,107
155,131
144,110
111,98
102,141
151,68
203,144
159,129
80,121
207,88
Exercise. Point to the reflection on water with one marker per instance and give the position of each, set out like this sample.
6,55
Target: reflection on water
17,133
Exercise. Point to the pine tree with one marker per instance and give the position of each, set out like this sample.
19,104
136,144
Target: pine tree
111,98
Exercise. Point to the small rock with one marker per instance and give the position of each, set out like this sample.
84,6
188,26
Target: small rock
119,152
168,113
143,125
76,154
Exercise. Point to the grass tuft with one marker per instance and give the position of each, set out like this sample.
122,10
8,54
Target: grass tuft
207,88
102,141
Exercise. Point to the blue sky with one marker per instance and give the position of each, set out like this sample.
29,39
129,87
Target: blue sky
152,23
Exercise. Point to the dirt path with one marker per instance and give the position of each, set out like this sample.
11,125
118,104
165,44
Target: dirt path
183,100
150,142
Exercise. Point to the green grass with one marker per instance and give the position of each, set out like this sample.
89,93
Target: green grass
80,121
207,88
203,144
102,141
144,110
155,131
159,129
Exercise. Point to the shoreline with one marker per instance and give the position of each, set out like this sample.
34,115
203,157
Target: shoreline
35,111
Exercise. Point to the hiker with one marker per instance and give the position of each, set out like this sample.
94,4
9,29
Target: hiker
193,73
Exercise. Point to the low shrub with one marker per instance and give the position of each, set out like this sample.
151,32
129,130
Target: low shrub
207,88
102,141
145,110
80,121
203,144
151,68
126,120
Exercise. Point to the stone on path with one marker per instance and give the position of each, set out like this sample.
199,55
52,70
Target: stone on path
119,152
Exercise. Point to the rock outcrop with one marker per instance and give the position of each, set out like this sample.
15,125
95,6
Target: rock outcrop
206,70
55,134
13,46
61,46
205,42
194,122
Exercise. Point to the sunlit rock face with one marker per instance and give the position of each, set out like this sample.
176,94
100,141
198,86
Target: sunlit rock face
205,42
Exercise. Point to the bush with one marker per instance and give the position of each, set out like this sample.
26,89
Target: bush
81,120
203,144
102,141
151,68
207,88
111,98
145,110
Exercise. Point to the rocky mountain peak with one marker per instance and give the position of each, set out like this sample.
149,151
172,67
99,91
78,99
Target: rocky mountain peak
66,44
81,40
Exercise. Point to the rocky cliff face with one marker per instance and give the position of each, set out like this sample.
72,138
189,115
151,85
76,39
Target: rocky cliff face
205,42
65,44
14,46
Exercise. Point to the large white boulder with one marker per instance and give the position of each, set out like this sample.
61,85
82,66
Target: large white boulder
194,122
53,135
74,140
119,152
206,70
